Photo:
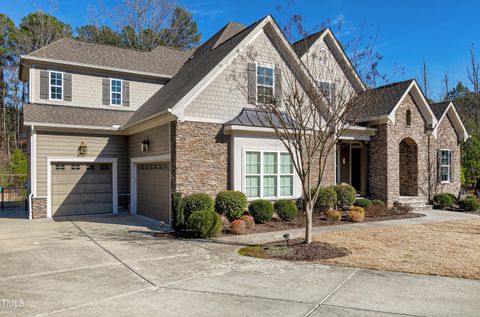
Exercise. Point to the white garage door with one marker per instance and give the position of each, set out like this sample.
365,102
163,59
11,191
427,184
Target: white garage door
79,189
153,190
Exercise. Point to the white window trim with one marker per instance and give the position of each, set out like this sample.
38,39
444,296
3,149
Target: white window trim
50,84
121,92
266,65
449,166
261,175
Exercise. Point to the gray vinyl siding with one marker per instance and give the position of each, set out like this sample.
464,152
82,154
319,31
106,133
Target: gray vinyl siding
159,141
87,90
57,144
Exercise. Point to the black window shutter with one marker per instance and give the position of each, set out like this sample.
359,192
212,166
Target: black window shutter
67,87
44,84
452,165
125,93
106,91
252,83
278,87
439,163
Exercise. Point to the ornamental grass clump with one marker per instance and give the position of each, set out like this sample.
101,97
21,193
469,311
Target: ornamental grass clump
333,215
355,216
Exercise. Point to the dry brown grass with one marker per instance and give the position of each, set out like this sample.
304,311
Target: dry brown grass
444,248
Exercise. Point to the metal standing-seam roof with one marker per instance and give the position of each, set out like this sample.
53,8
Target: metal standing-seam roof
162,60
249,117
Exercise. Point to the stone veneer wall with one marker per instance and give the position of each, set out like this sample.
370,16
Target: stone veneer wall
384,173
200,157
329,172
447,138
39,208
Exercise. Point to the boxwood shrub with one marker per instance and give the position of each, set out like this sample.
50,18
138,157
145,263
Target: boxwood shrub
261,210
204,223
443,200
327,198
470,203
197,202
232,203
363,202
377,202
346,195
286,209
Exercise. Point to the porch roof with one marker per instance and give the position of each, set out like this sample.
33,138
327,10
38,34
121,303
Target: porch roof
249,117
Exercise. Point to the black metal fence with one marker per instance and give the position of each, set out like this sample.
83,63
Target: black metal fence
13,198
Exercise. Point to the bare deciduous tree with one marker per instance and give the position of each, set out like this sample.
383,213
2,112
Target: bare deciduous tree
446,86
426,82
473,71
307,117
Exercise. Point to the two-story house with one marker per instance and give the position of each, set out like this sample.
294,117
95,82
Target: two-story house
118,129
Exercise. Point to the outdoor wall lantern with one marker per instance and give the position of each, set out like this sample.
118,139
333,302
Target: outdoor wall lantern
145,144
83,149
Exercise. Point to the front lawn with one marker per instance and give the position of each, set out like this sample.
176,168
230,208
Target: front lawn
445,248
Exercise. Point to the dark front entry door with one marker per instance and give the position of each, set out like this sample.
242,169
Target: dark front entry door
357,169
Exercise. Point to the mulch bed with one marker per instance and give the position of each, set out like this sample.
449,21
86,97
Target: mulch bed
319,221
296,251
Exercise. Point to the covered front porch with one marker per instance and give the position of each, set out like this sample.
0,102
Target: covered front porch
352,158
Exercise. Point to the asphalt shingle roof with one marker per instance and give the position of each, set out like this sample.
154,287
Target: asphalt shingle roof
205,58
439,108
380,101
71,115
302,46
161,61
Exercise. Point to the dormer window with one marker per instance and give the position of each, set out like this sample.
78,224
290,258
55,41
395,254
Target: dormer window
264,84
408,118
56,85
116,92
327,89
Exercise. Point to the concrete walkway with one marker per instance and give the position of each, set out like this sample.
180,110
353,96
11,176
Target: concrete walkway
430,216
112,266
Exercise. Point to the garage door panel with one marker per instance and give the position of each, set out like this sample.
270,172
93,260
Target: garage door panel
78,190
153,190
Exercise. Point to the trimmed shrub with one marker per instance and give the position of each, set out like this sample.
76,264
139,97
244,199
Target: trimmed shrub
470,203
355,216
358,209
231,203
238,226
333,215
363,202
205,223
249,221
178,212
197,202
327,199
261,210
346,195
442,201
377,202
286,209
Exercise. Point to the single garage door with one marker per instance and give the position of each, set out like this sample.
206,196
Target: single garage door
153,190
79,189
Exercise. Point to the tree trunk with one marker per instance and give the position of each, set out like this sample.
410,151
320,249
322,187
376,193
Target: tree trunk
307,207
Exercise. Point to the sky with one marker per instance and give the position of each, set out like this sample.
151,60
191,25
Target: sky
406,32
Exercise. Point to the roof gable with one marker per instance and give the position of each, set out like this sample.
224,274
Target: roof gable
304,46
447,109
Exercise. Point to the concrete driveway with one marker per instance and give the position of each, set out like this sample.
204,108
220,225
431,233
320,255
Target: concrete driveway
111,266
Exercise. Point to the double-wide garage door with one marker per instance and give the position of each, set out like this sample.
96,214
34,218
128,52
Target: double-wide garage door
79,189
153,190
